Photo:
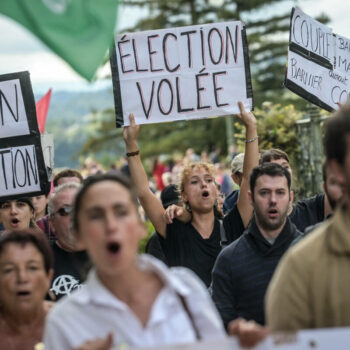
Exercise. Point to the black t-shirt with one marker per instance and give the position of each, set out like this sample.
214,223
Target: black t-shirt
233,224
154,248
307,212
184,246
70,270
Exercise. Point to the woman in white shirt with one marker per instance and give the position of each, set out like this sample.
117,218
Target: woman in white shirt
128,299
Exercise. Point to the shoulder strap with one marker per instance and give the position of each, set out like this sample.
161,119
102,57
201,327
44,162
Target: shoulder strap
223,237
190,316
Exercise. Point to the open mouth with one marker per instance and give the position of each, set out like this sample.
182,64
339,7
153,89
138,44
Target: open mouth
15,221
113,247
273,212
205,194
23,293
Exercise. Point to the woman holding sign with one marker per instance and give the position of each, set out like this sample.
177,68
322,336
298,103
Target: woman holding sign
194,244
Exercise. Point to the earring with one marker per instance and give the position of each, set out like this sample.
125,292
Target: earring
188,207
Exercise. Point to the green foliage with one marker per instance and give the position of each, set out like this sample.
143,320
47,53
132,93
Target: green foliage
150,231
277,129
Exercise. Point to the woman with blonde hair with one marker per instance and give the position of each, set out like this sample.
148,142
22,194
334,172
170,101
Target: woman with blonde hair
194,244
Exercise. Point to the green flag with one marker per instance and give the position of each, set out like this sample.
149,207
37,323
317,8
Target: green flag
80,31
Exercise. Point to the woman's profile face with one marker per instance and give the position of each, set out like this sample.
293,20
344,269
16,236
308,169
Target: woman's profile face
24,281
16,215
40,203
109,227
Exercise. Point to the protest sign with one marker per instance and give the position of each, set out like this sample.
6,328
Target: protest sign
320,339
318,62
22,167
181,73
48,152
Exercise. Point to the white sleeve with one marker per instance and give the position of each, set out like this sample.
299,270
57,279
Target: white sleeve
204,312
54,337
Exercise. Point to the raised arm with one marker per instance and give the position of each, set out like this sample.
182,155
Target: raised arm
148,200
251,160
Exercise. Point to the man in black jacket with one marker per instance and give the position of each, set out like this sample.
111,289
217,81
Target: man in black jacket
243,269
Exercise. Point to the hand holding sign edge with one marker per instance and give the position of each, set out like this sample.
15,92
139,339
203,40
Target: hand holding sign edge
130,134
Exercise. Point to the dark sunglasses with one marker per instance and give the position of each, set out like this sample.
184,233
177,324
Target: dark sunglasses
64,211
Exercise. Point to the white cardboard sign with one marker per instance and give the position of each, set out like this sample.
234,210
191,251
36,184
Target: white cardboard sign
22,167
318,62
181,73
320,339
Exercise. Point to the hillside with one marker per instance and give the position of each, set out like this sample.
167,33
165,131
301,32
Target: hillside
67,121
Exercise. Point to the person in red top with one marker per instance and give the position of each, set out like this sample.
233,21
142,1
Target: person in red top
158,169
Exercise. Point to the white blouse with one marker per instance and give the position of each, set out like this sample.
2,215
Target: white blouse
93,312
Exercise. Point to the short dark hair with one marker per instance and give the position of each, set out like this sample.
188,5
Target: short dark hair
94,179
270,169
67,173
35,237
337,128
324,170
267,156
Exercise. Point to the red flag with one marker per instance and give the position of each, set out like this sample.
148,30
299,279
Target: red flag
42,107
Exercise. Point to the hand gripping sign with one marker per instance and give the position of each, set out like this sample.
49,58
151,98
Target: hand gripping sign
181,73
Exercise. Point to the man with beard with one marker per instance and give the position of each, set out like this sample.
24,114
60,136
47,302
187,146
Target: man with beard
243,270
333,190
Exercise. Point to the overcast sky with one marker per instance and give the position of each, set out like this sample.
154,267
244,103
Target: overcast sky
20,50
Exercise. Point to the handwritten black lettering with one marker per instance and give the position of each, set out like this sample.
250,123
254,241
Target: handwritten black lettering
136,58
4,99
210,45
151,53
200,88
189,45
146,110
178,99
336,76
2,152
343,44
344,63
339,96
165,53
31,165
311,36
216,89
159,97
234,45
120,43
304,77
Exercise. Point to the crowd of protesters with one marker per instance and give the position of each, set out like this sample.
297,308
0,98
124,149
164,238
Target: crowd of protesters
256,262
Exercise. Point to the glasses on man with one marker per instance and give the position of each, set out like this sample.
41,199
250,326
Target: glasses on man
64,211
